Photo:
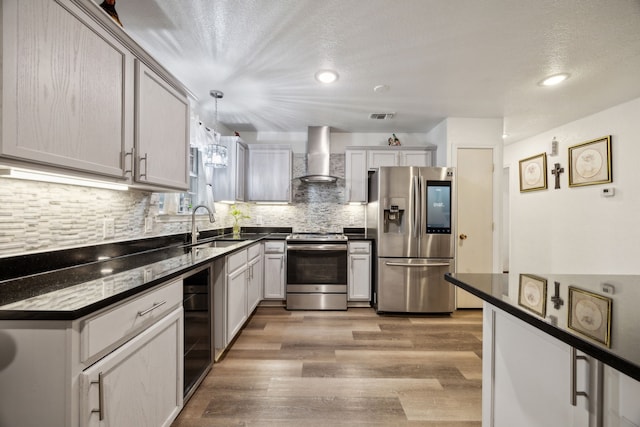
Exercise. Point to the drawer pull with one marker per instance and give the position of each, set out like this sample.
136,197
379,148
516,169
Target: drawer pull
149,310
100,409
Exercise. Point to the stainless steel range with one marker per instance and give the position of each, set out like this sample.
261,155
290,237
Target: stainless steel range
316,271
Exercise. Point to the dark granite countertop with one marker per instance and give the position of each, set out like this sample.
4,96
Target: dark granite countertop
604,322
356,233
51,286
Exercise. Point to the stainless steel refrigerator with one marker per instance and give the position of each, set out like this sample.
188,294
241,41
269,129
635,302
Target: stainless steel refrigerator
411,213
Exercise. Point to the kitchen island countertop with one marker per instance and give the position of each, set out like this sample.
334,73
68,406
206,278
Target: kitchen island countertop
505,292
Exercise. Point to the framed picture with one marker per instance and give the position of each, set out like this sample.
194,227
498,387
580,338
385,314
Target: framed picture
533,173
532,294
590,162
590,315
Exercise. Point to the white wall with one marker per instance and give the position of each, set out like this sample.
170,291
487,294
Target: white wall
438,137
576,230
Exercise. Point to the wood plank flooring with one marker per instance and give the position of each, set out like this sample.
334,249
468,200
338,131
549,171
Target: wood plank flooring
345,368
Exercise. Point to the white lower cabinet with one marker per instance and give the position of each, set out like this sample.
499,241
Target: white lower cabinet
236,296
359,278
274,270
139,384
255,279
528,382
121,366
237,293
620,400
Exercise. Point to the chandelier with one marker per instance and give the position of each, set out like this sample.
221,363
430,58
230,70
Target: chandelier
215,154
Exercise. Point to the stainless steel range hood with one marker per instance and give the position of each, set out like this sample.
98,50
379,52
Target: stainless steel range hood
318,155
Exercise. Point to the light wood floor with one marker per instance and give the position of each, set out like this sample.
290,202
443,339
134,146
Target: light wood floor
345,368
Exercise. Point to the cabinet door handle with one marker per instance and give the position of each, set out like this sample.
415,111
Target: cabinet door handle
100,409
124,161
574,362
145,160
401,264
150,309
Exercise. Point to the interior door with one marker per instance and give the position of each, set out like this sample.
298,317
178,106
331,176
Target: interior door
475,217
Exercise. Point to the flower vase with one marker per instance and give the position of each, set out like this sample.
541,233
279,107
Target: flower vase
236,230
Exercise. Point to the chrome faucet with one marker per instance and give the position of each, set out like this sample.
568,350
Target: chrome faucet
194,230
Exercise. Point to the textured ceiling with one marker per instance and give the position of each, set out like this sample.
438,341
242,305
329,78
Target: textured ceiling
439,58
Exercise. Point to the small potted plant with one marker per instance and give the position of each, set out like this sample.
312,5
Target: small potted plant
237,215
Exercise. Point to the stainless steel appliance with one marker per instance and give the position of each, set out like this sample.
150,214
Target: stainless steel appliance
197,329
411,213
316,271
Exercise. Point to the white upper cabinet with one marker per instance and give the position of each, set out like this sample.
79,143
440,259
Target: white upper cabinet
229,182
162,131
405,156
78,94
67,89
269,173
355,169
359,160
377,158
416,158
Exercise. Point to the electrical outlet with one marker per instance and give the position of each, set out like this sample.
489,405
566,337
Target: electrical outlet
108,228
108,286
148,224
148,274
259,220
351,220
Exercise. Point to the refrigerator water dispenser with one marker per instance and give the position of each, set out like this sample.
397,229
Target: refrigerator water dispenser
393,215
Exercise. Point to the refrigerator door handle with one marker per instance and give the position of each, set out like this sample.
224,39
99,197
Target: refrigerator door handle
402,264
416,206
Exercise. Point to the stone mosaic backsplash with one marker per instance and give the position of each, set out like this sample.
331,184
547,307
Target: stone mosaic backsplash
37,216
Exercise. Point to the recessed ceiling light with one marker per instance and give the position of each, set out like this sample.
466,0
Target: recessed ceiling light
326,76
554,80
380,88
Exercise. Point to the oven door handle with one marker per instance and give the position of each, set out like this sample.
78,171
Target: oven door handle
316,247
402,264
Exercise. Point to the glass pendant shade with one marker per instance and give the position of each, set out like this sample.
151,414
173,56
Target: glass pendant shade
216,155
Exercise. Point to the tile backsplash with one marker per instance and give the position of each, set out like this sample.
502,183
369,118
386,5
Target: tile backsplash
37,216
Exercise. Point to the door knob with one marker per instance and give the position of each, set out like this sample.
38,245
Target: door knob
463,236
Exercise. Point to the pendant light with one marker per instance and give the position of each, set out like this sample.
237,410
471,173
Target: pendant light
216,155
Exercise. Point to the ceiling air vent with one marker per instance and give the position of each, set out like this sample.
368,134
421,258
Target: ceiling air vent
381,116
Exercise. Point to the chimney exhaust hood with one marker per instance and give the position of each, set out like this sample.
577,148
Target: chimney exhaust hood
318,155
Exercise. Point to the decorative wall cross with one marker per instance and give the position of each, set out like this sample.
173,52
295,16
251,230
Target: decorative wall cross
557,170
557,301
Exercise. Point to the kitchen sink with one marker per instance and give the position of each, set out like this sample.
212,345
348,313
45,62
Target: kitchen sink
220,243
